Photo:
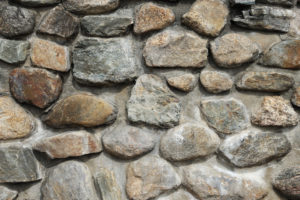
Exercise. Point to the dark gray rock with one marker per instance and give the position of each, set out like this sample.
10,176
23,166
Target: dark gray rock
242,2
287,3
13,51
7,194
37,3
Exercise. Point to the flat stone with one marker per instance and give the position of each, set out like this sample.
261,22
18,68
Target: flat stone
254,148
15,121
71,180
128,142
59,22
185,82
70,144
37,3
7,194
109,25
178,195
242,2
207,17
225,115
296,97
13,51
233,50
188,141
215,82
275,111
50,55
80,110
287,3
150,176
176,48
105,61
151,17
153,103
38,87
16,21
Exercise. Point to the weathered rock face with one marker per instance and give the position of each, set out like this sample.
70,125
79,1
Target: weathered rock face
105,61
150,17
80,110
149,177
7,194
70,180
254,148
178,195
296,97
185,82
215,82
275,111
37,3
188,141
233,50
207,17
152,102
175,48
13,51
15,121
38,87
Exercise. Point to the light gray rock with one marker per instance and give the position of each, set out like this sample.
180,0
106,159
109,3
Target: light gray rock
37,3
7,194
215,82
185,82
13,51
178,195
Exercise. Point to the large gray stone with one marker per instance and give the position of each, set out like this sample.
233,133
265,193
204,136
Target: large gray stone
178,195
13,51
37,3
7,194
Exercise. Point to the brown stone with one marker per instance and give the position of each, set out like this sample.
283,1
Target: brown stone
296,97
185,82
215,82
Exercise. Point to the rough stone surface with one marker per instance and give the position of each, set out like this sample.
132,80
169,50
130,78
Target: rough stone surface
275,111
188,141
215,82
149,177
175,48
185,82
178,195
7,194
90,7
150,17
207,17
80,110
225,115
13,51
38,87
287,3
296,97
233,50
37,3
152,102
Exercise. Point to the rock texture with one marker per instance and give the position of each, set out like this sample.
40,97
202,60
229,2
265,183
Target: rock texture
215,82
178,195
13,51
37,3
296,97
7,194
185,82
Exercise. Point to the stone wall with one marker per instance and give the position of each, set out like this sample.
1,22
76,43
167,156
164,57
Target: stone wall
138,100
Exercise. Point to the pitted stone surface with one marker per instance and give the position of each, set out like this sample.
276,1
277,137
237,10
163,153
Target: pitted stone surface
215,82
13,51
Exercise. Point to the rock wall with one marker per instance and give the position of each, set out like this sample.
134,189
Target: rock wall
138,100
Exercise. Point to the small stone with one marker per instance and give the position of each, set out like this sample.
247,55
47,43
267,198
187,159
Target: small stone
13,51
59,22
15,121
225,115
296,97
207,17
178,195
275,111
70,144
264,81
254,148
38,87
176,48
150,17
188,141
215,82
80,110
233,50
150,176
71,180
153,103
287,3
128,142
185,82
37,3
7,194
50,55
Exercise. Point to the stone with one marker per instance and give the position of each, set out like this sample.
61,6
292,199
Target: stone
13,51
150,176
207,17
50,55
242,2
150,17
70,144
90,7
128,142
105,61
37,3
233,50
185,82
18,164
38,87
226,116
188,141
16,21
151,102
80,110
70,180
275,111
175,48
60,23
287,3
109,25
254,148
215,82
7,194
178,195
106,182
15,121
287,181
264,81
296,97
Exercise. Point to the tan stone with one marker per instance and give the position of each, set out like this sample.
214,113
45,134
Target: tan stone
185,82
215,82
296,97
